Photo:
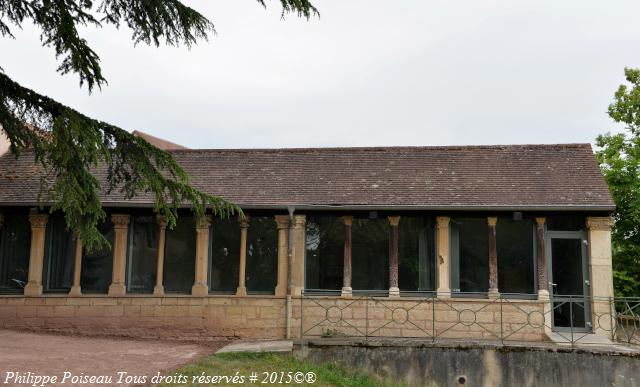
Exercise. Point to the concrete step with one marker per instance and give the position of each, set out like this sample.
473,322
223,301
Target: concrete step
259,346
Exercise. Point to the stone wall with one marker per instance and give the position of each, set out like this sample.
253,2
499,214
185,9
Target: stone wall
168,317
484,366
485,319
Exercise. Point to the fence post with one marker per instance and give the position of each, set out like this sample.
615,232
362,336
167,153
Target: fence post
301,316
366,316
501,322
571,318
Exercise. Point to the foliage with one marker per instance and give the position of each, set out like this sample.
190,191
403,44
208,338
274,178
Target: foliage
619,158
69,145
328,374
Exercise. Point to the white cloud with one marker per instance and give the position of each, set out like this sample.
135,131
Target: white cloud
368,72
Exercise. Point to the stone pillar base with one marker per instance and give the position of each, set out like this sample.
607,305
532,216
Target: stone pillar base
117,290
493,293
33,290
76,291
347,292
543,295
281,291
296,291
242,291
394,292
443,293
200,290
158,291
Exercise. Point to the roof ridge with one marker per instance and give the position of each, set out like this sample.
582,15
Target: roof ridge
383,148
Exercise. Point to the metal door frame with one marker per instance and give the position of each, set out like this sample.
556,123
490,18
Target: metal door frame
586,285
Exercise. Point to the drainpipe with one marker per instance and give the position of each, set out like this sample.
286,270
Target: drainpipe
291,209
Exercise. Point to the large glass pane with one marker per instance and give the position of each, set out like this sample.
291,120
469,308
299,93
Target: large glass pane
325,250
516,270
15,242
225,255
262,255
370,254
416,252
60,249
97,265
566,255
566,223
143,254
180,256
470,242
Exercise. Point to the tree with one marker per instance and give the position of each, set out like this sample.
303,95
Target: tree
69,145
619,158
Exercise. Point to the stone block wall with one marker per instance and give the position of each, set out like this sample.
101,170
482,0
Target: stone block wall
425,318
168,317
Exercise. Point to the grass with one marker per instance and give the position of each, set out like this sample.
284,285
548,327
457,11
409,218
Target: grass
231,364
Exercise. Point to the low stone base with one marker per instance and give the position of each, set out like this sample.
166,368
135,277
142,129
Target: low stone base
170,317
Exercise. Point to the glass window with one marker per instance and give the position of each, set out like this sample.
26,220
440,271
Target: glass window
60,249
97,265
370,254
225,255
416,254
180,256
143,254
469,255
325,252
262,255
15,243
515,248
566,223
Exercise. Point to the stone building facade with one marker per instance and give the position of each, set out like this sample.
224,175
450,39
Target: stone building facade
453,242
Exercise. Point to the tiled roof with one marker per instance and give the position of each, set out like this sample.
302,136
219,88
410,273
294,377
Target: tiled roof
455,177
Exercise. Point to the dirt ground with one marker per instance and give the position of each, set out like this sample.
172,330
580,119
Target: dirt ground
53,355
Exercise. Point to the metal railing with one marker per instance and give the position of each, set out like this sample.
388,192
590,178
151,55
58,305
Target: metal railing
507,318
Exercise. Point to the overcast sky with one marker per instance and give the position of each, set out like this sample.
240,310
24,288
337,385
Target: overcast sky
368,72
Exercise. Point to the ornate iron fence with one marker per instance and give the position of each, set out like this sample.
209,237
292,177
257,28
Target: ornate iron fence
570,320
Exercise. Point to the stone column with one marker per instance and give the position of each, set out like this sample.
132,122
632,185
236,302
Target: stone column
120,231
297,258
601,273
346,270
394,290
541,252
283,245
493,258
242,288
158,290
200,287
442,251
76,289
36,256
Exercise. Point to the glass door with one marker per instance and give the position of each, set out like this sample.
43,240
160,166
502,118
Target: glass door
568,281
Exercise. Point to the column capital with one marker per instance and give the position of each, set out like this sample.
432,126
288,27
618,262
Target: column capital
492,221
282,221
394,220
120,220
38,220
348,220
540,221
203,222
443,221
244,221
161,220
603,223
299,221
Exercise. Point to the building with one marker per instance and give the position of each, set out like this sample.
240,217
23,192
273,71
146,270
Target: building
460,241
